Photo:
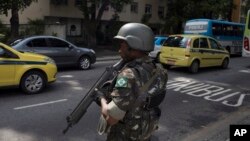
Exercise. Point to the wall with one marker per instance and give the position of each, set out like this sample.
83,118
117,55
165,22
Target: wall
36,10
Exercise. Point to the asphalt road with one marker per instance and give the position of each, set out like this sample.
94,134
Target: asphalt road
197,107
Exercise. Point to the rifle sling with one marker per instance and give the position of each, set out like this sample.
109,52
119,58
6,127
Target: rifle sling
142,92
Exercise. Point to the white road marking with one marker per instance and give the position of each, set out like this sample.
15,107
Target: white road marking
208,91
39,104
245,71
67,76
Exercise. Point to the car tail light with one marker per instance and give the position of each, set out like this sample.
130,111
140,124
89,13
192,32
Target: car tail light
188,44
188,48
246,44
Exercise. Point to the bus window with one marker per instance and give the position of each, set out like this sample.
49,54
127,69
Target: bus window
241,32
235,31
226,30
216,29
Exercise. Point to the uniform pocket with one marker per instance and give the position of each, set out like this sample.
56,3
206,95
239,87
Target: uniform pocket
143,124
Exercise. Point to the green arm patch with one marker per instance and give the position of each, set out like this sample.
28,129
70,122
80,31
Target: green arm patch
121,82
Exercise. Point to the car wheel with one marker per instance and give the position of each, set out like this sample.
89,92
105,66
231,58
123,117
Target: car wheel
228,49
165,66
84,63
157,58
33,82
194,67
225,63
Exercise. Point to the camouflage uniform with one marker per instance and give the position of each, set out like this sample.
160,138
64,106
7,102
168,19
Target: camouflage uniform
135,123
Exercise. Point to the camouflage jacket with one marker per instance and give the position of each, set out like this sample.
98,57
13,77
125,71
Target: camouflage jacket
135,118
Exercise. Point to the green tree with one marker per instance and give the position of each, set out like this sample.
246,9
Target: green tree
4,32
93,19
182,10
14,6
247,7
35,27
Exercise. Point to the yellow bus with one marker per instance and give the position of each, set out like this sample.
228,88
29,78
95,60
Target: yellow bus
246,42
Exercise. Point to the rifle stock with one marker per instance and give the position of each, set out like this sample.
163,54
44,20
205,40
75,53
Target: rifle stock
87,100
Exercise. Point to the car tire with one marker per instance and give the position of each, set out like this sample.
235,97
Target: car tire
157,58
194,67
165,66
225,63
84,63
33,82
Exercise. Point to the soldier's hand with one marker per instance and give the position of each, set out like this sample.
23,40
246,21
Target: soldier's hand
98,97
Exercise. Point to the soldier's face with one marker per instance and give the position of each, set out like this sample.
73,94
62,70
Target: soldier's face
124,51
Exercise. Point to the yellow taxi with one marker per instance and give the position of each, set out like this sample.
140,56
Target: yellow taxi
194,52
31,72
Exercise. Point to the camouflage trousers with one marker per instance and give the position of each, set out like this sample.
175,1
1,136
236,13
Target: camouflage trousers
118,133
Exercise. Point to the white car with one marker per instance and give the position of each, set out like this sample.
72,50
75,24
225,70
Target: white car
159,40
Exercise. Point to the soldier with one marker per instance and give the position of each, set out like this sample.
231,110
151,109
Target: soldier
131,111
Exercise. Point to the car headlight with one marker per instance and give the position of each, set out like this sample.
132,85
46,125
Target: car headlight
91,50
49,60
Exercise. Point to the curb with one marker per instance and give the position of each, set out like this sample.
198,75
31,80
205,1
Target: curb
108,58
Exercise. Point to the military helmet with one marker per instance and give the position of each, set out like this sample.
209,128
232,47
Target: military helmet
138,36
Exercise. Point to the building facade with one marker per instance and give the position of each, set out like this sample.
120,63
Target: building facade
63,18
240,11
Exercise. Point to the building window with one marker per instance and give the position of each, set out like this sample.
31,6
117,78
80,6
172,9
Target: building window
148,9
106,8
161,12
134,7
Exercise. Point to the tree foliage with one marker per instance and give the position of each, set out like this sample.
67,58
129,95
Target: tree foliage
247,7
93,19
180,11
6,5
14,6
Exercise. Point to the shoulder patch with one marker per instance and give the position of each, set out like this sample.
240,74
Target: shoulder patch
121,82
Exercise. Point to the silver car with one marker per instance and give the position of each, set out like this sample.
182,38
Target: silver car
159,40
63,52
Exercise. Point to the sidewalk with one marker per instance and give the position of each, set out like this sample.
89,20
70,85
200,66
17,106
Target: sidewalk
106,53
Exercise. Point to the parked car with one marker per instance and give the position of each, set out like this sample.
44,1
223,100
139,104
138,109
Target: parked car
194,52
31,72
63,52
159,40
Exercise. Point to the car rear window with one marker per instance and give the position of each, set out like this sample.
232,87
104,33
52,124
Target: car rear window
176,41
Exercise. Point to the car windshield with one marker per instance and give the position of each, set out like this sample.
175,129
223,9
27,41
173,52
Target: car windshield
176,41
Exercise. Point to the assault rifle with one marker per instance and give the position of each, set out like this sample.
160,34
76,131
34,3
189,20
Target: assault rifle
84,104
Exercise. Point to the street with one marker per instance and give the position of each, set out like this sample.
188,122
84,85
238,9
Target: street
197,107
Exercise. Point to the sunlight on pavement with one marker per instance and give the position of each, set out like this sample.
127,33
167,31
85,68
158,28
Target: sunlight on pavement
245,71
67,76
12,135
